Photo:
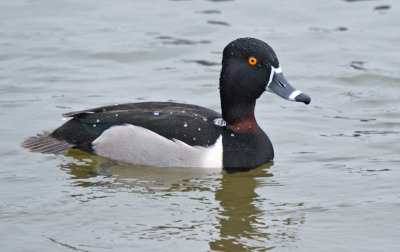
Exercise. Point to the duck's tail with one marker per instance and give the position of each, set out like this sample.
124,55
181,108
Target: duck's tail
45,143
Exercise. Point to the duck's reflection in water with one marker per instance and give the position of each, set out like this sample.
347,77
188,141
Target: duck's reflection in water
89,170
238,219
242,219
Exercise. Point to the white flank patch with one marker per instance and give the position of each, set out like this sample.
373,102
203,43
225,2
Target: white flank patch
213,157
140,146
294,94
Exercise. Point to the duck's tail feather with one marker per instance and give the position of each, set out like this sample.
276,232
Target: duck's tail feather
44,143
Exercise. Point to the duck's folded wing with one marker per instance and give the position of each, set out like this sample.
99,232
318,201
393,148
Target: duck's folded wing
190,124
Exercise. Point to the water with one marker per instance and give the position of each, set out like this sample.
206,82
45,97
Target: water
332,187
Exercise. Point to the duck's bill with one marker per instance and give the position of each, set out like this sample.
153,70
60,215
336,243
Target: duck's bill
280,86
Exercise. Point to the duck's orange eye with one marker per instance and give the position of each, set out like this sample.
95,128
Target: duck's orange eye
252,61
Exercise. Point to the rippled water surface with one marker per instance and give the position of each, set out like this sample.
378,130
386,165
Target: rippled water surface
334,184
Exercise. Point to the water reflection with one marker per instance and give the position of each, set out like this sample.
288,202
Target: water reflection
238,219
228,213
89,170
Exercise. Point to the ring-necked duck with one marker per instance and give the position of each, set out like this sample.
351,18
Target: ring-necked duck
170,134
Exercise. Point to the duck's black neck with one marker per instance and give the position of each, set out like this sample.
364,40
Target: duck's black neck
238,98
239,116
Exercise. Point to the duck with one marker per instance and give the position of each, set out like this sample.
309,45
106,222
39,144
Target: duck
170,134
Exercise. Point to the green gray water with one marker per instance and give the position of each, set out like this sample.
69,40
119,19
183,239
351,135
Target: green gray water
334,185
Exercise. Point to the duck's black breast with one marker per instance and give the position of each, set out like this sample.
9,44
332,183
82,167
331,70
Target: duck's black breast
190,124
246,150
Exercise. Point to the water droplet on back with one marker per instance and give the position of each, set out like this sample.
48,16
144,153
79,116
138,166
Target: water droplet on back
156,113
97,120
219,122
205,119
199,129
116,115
185,124
94,125
194,139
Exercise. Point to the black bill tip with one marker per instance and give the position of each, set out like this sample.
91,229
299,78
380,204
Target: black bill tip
303,98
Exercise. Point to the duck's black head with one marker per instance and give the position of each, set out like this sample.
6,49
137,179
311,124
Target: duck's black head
250,67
